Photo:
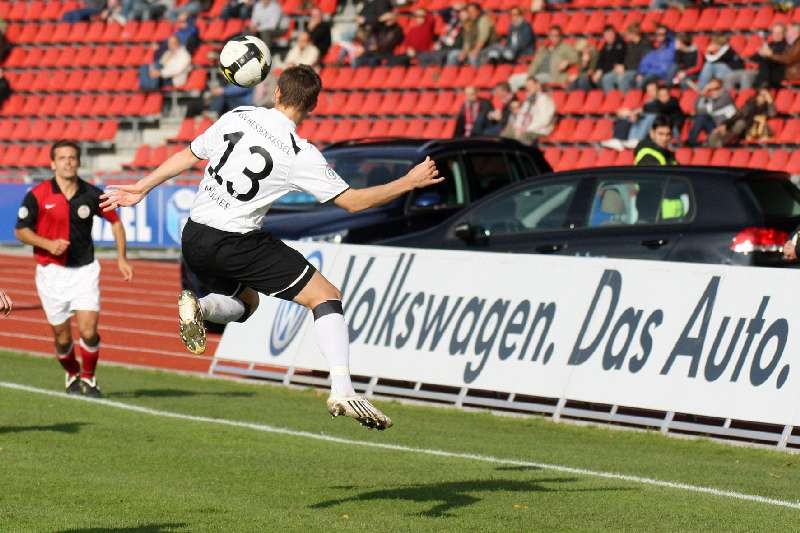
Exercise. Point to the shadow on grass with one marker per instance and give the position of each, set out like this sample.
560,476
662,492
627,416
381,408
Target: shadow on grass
149,528
517,468
65,427
174,393
457,494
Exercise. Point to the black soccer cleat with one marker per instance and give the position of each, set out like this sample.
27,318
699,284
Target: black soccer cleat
73,384
90,388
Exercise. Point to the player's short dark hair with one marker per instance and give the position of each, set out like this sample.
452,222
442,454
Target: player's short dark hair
300,86
661,121
61,144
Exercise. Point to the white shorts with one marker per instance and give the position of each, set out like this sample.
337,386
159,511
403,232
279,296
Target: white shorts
64,290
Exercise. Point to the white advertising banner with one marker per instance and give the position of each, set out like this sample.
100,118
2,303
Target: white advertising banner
702,339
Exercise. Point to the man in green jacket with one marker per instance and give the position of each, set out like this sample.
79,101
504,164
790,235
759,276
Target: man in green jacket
654,149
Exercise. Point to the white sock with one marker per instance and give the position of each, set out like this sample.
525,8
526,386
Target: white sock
221,309
334,343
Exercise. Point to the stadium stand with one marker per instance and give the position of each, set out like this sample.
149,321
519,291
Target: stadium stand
80,80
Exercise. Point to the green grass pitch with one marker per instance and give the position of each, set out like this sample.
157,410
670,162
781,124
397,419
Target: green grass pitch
71,465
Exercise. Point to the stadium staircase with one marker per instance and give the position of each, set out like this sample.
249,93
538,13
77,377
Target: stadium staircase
81,81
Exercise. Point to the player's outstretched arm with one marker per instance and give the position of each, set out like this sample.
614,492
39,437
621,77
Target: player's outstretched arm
126,195
424,174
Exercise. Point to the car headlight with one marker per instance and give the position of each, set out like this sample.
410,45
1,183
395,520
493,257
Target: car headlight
336,237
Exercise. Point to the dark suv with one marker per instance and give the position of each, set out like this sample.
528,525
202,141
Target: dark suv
473,168
717,215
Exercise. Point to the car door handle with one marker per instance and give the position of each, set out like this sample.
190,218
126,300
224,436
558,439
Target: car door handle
654,243
549,248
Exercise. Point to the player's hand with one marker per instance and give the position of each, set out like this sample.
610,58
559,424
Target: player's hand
120,196
789,250
5,304
125,268
424,174
57,246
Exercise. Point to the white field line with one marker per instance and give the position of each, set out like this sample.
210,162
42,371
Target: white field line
421,451
137,349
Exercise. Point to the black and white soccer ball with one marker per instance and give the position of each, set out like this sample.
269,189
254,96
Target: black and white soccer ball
245,61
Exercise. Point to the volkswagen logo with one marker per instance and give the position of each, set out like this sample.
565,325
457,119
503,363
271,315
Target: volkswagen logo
290,316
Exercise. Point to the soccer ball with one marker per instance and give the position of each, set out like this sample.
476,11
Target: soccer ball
245,61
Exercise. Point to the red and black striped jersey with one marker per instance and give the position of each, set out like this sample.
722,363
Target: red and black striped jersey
47,212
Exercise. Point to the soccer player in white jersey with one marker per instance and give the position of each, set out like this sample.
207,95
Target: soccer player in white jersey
254,157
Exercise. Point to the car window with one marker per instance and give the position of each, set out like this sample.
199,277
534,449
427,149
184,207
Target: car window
538,207
488,172
641,201
776,197
528,167
450,192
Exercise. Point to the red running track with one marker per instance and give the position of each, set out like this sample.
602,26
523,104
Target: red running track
138,320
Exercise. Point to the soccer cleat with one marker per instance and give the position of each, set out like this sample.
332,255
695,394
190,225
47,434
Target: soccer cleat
359,408
73,384
89,387
190,320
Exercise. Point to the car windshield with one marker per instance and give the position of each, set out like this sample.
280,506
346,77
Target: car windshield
777,198
358,171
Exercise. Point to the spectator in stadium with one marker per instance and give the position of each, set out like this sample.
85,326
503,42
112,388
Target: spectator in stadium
472,119
711,110
5,303
551,62
418,39
611,54
587,64
654,148
187,33
191,8
478,34
659,63
112,12
303,52
536,115
172,67
452,38
749,122
320,31
5,87
631,125
268,20
520,41
789,57
623,76
264,92
687,62
90,9
370,11
770,72
721,62
227,97
237,9
499,115
56,219
381,41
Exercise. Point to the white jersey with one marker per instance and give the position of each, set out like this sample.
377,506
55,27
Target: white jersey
255,157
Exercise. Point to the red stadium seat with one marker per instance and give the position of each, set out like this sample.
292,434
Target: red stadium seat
74,81
426,103
108,130
587,158
372,103
389,103
342,130
32,106
101,105
13,106
377,80
759,158
721,157
744,19
360,78
353,104
412,78
407,104
58,80
361,129
141,158
380,129
398,128
128,81
118,105
583,130
701,156
395,78
68,105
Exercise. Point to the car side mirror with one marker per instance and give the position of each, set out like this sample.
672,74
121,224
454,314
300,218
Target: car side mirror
469,233
428,199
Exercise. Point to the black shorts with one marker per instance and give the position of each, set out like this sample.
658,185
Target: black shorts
226,262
